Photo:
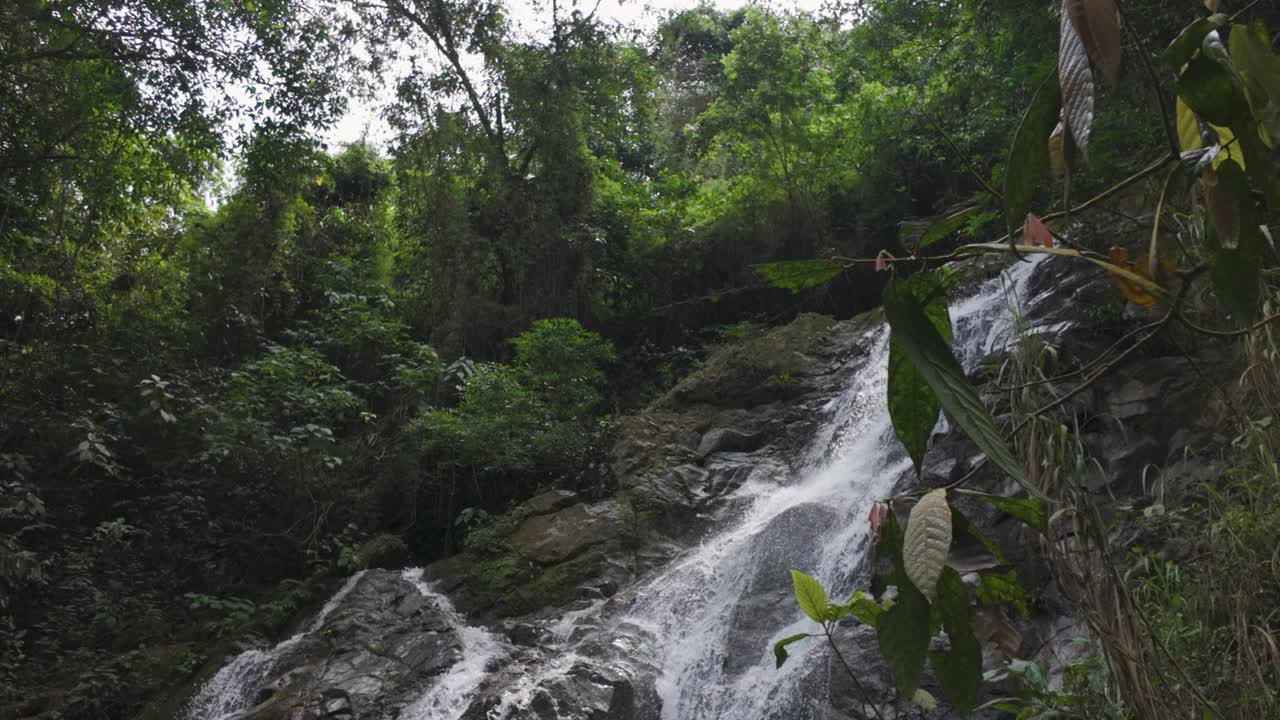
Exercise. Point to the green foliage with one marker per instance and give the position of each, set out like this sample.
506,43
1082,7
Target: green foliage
918,337
810,596
1029,154
913,404
381,551
797,275
537,414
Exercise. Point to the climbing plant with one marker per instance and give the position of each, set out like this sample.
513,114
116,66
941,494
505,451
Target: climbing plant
1222,132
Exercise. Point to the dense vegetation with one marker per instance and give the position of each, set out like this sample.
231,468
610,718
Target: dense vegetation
234,362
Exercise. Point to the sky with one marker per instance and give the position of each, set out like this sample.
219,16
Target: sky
362,120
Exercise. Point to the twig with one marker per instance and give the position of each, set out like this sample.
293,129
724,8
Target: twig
1246,9
1229,333
1084,368
852,675
1170,130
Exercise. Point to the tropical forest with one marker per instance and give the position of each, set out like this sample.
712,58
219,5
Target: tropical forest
625,360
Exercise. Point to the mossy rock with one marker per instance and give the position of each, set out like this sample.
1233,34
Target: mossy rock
384,551
758,370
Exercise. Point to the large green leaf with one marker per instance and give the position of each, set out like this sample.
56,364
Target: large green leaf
1209,87
1029,154
920,234
964,526
810,595
797,275
903,634
1259,69
1236,271
1029,510
959,669
913,405
1184,46
928,352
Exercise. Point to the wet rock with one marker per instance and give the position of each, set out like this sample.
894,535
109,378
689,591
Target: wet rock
548,502
377,643
561,536
729,439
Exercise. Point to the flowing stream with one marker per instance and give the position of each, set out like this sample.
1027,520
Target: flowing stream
707,622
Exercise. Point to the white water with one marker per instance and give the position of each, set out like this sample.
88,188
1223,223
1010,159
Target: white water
451,693
232,689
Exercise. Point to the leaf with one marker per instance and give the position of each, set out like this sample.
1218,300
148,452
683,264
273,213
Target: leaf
780,648
797,275
1236,271
1223,206
1188,42
1030,511
924,700
873,519
1058,150
1133,280
962,527
1075,77
810,595
903,635
959,669
1259,69
921,342
1097,22
1029,153
913,405
1209,88
927,541
1034,232
1188,128
995,590
920,234
864,609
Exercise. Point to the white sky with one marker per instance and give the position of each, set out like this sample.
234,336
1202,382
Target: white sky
363,117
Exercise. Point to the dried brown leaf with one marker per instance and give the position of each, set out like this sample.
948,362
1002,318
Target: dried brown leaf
1097,22
1075,76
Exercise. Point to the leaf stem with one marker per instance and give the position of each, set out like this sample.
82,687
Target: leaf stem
848,670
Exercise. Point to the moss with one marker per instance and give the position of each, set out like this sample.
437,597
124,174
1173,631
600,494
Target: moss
381,551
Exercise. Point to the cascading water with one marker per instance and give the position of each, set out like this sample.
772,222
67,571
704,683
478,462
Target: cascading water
449,697
233,687
702,629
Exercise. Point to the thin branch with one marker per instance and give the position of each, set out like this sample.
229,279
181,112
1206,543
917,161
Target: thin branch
852,675
1170,130
1229,333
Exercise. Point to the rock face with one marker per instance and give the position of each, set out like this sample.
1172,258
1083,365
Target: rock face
383,644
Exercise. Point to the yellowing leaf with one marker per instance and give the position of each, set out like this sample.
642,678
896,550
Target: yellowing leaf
927,541
1097,23
924,700
1075,76
1231,148
1188,128
1132,290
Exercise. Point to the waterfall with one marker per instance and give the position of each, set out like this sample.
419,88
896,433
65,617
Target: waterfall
703,627
233,688
711,617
